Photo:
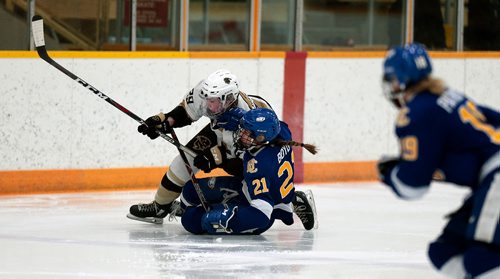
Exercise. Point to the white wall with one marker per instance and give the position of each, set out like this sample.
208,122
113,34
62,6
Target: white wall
347,116
48,121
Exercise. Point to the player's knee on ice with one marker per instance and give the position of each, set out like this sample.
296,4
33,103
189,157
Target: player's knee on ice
189,195
440,252
480,259
191,219
454,259
215,190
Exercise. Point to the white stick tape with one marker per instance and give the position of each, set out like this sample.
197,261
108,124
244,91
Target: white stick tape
37,27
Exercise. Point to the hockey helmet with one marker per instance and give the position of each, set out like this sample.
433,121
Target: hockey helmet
257,127
219,90
404,67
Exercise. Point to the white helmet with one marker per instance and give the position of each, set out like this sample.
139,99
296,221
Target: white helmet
220,90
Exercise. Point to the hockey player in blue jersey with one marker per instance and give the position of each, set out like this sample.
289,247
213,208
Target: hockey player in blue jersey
219,98
267,191
445,135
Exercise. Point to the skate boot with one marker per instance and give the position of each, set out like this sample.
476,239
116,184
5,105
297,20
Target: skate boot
150,213
175,211
305,208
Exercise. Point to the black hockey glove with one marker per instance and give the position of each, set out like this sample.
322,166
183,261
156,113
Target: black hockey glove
153,123
385,165
210,158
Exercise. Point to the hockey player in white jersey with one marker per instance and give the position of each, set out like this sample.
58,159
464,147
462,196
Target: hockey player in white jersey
219,98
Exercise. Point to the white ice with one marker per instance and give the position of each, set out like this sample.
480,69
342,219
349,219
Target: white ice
364,232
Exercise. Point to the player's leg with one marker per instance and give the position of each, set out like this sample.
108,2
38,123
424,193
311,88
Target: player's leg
483,256
216,190
446,253
191,219
172,182
482,260
484,220
470,243
161,206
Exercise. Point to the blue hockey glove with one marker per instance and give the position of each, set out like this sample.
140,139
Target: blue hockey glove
385,166
230,119
216,221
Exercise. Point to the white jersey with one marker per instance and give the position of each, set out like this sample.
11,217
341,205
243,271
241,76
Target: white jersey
195,107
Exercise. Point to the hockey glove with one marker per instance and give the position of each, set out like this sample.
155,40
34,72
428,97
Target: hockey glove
217,220
153,123
230,119
210,158
385,166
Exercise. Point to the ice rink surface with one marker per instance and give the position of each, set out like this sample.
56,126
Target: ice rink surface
364,232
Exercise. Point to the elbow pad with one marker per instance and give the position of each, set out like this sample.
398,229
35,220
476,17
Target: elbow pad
180,116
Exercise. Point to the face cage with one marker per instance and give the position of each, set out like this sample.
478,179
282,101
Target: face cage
225,104
238,144
393,92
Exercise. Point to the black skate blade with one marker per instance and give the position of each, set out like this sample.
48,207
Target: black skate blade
151,220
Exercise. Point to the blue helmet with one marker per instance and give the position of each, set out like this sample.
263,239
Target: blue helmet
408,65
262,123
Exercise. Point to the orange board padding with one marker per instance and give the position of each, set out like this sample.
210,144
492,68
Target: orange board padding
122,179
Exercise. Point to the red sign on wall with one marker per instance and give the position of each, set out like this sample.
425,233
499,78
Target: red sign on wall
150,13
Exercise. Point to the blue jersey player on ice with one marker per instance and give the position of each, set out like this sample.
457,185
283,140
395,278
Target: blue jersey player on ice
446,136
266,193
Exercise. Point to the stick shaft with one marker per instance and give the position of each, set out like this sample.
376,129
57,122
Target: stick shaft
42,52
194,180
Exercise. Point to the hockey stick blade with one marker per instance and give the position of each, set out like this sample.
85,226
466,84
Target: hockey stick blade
39,39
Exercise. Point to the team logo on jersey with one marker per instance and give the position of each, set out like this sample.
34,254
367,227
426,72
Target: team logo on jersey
403,118
201,143
251,166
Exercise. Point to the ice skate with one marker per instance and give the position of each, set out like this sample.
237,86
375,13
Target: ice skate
150,213
305,208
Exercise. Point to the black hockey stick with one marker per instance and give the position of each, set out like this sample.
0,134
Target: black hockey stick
39,39
38,36
196,185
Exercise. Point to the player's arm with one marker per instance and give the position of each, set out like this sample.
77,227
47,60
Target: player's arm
409,175
492,116
177,117
229,120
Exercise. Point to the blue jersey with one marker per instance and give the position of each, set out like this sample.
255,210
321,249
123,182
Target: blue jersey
265,194
268,187
446,138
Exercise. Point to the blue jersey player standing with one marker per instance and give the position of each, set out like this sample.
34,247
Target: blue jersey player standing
446,136
266,193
